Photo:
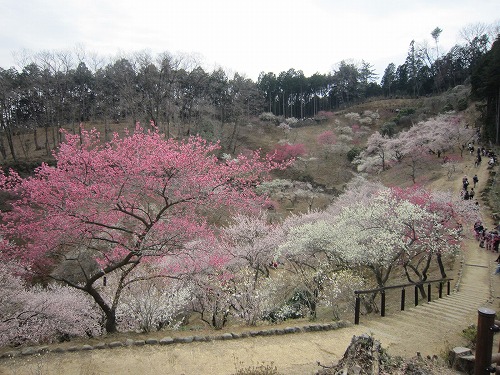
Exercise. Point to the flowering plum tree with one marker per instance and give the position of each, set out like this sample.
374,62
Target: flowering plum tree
251,240
149,303
326,140
305,252
134,199
376,154
440,237
394,231
31,315
380,229
286,152
434,136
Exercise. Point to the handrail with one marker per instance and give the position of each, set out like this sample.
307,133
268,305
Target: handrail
402,287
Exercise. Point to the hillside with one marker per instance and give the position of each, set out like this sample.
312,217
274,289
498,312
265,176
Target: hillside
194,358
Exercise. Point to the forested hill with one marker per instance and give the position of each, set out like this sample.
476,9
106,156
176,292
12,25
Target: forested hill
55,90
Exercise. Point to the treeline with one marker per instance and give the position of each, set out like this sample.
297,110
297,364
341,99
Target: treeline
59,88
424,72
52,91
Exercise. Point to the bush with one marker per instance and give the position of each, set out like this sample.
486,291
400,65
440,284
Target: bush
470,334
295,308
462,104
269,117
388,129
353,153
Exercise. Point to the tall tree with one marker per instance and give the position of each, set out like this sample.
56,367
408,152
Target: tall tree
388,79
486,86
8,99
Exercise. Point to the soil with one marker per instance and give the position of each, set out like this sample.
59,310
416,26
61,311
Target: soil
291,354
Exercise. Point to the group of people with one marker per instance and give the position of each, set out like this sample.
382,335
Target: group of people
488,239
466,193
483,152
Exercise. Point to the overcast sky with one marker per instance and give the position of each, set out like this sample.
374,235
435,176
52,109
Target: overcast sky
244,36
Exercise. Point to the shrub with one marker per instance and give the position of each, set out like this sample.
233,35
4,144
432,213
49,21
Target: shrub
470,334
353,153
388,129
268,117
462,104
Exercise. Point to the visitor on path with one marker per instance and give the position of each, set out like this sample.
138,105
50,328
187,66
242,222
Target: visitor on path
495,241
478,230
471,194
475,179
465,183
497,271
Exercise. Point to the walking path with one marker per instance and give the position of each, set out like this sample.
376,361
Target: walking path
430,328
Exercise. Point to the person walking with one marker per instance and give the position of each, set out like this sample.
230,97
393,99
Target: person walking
475,179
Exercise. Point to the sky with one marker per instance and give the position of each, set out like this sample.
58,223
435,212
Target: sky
243,36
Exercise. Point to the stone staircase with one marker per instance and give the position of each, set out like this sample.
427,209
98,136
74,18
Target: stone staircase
430,325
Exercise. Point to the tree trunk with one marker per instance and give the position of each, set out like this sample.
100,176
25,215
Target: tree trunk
110,325
2,148
441,265
47,148
497,117
35,139
10,141
109,313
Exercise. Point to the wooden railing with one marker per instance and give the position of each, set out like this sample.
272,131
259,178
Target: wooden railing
403,287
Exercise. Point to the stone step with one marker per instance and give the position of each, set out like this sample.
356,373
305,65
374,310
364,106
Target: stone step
401,324
429,314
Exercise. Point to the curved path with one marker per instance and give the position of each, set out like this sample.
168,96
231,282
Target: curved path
430,328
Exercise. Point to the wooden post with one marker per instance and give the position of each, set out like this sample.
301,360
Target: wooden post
403,299
382,303
484,342
356,309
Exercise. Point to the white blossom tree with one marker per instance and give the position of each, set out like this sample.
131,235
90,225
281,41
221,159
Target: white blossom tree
34,314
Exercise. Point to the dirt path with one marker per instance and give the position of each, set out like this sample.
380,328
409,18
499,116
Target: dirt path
293,354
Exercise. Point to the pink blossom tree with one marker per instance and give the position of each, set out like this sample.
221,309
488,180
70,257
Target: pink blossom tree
286,152
327,138
111,207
